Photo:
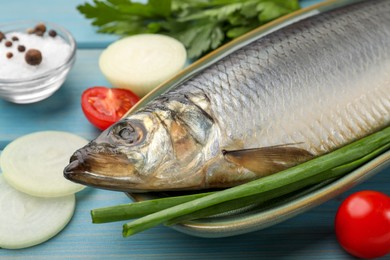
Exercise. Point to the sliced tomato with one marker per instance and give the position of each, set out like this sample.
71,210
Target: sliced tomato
104,106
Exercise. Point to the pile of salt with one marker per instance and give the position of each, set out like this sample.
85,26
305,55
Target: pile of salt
14,46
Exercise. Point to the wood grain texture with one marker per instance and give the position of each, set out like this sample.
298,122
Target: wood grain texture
307,236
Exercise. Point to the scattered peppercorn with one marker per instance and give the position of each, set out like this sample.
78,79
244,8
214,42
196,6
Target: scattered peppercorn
2,36
8,43
52,33
9,55
33,57
14,38
21,48
40,29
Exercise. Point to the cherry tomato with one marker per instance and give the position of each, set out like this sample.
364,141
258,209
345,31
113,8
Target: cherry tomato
362,224
104,106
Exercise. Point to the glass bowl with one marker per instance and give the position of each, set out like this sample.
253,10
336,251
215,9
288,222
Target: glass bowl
42,85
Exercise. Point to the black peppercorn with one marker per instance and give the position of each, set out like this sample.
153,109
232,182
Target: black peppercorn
14,38
52,33
8,43
9,55
21,48
2,36
33,57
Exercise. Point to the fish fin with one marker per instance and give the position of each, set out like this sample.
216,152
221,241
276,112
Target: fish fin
268,160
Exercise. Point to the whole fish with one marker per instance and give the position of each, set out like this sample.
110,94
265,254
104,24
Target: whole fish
294,94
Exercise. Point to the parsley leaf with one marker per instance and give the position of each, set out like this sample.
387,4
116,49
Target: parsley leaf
201,25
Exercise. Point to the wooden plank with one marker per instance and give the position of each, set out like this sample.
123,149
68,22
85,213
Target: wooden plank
307,236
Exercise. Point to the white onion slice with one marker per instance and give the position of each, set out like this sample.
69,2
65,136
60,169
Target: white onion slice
27,221
34,163
141,62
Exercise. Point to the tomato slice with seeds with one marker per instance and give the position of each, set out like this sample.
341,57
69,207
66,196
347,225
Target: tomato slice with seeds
104,106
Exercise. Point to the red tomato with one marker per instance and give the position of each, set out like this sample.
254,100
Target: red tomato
104,106
362,224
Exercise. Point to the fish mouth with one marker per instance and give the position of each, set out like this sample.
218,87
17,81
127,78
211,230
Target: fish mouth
102,170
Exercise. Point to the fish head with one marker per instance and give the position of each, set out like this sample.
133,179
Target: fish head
145,152
121,157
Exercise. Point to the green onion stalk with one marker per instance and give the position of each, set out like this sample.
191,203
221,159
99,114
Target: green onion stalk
263,192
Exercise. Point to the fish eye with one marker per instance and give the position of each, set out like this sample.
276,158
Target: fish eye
133,133
128,134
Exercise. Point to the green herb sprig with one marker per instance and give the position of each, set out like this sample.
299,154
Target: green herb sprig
201,25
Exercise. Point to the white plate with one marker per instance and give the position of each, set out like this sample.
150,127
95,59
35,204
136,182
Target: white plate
255,219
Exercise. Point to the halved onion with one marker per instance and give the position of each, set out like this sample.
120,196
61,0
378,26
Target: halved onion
141,62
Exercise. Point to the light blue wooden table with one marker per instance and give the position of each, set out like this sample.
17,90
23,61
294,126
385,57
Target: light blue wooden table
307,236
